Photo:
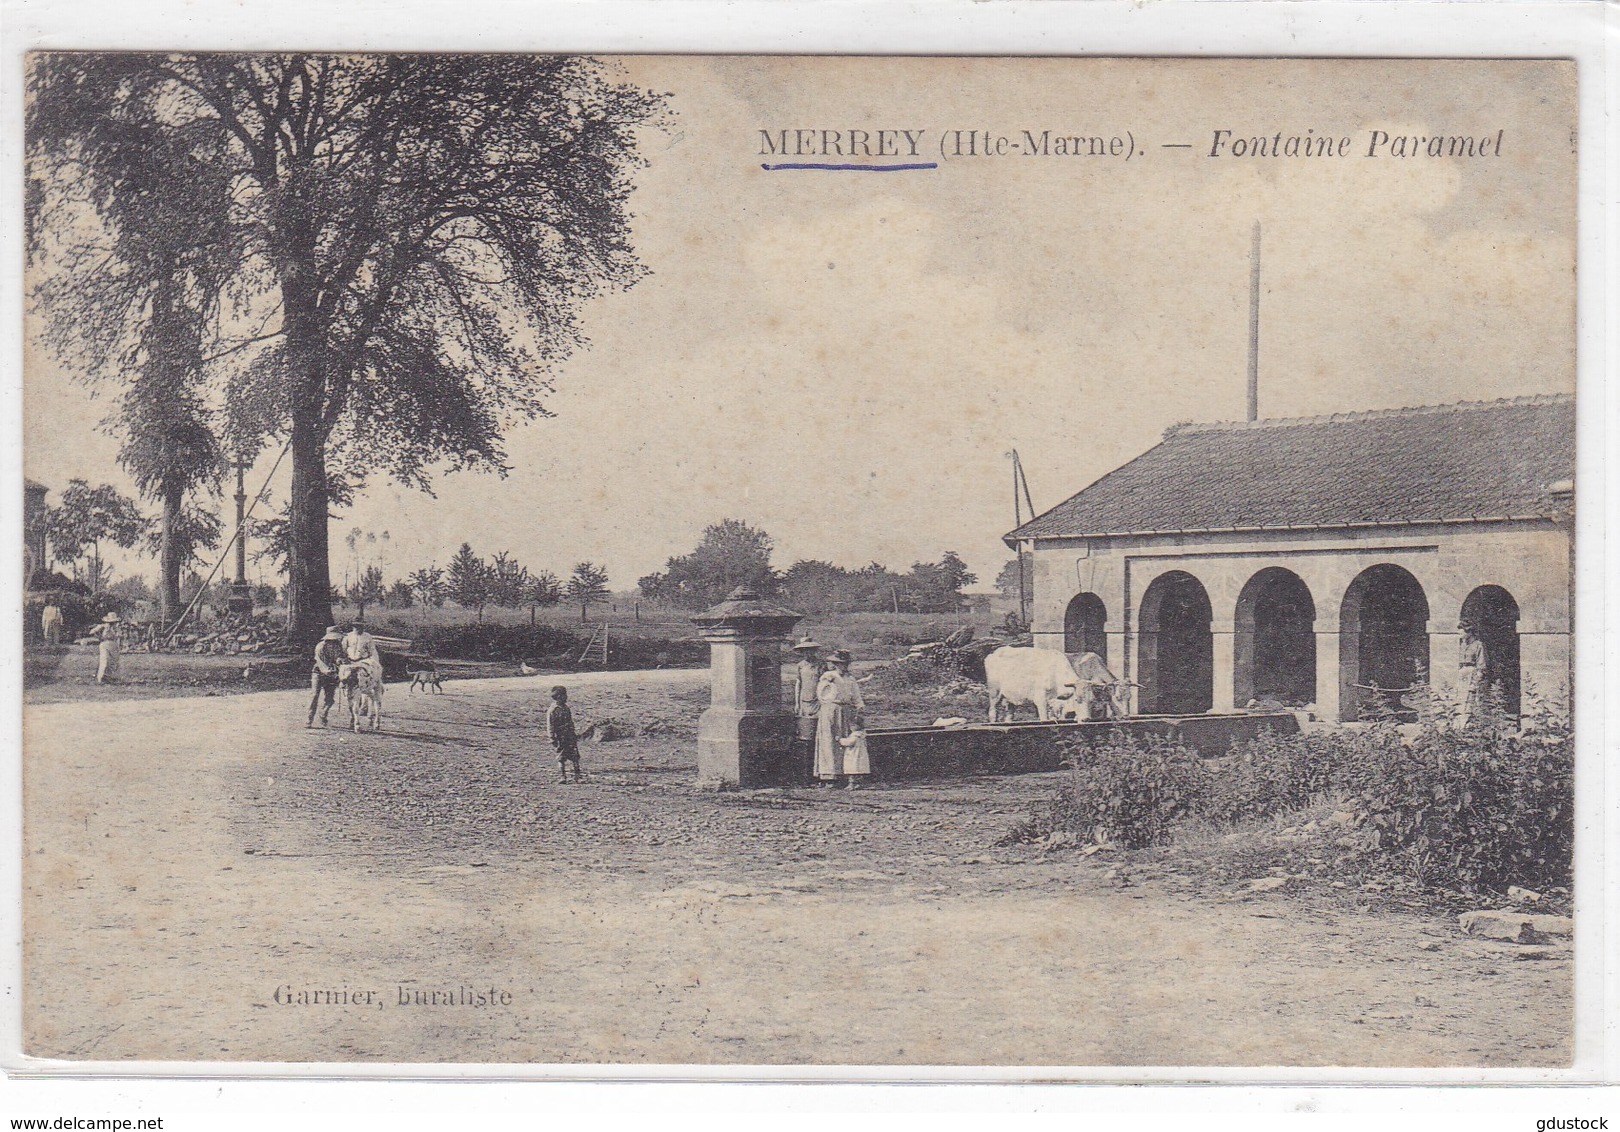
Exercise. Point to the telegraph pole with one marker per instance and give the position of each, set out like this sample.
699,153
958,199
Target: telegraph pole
1020,499
1254,325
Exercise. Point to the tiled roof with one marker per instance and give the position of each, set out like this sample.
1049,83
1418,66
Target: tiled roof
1473,460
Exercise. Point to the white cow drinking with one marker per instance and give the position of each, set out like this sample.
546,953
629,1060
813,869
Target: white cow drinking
1100,692
1021,675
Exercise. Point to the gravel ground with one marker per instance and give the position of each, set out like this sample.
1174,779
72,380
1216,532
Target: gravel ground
191,861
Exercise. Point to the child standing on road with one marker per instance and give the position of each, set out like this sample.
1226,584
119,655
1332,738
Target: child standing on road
560,730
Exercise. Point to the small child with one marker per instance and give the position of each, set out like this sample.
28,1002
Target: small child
560,730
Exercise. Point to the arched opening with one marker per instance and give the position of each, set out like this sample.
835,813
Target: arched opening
1274,648
1383,642
1083,624
1177,667
1492,616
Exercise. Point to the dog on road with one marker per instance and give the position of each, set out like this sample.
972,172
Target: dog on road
425,675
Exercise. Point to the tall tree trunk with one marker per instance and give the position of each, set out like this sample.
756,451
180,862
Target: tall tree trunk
309,572
169,606
308,567
310,606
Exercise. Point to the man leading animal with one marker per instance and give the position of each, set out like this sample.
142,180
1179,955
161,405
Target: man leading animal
323,675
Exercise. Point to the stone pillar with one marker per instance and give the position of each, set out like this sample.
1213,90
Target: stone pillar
1445,642
1145,663
745,737
1225,665
1117,654
1349,674
1544,662
1243,658
1327,672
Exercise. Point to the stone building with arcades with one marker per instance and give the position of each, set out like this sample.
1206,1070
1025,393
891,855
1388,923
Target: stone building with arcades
1321,560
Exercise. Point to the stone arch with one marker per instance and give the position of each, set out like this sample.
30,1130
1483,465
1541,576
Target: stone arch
1493,615
1176,666
1274,644
1084,626
1383,639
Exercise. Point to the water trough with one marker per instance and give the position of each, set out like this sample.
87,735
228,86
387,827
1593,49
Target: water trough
900,753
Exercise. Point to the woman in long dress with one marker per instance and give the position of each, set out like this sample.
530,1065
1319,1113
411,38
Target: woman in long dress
109,648
839,718
806,707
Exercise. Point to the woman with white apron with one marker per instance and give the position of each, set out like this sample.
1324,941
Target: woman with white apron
109,648
840,726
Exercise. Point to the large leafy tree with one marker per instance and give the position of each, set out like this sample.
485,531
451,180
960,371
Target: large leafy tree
1007,581
731,554
936,587
412,239
140,291
86,518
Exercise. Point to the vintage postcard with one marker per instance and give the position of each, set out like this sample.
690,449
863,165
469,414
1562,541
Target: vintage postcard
799,561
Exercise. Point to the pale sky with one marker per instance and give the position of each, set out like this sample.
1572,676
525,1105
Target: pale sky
846,358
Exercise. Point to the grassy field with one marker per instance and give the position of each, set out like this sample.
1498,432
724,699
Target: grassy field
870,636
660,638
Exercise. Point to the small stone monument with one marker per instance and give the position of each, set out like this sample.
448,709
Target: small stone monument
745,738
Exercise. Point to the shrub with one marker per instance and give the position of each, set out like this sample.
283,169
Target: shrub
1127,791
487,641
907,674
1274,773
512,644
1478,808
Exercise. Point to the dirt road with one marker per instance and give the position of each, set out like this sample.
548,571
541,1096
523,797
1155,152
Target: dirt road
205,879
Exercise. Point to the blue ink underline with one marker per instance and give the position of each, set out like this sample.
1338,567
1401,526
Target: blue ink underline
853,168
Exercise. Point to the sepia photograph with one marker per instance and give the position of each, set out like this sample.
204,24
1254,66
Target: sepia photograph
799,562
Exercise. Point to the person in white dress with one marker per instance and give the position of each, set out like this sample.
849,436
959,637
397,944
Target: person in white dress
109,648
840,717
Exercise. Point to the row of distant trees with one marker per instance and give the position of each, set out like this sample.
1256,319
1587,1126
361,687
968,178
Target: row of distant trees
733,554
477,583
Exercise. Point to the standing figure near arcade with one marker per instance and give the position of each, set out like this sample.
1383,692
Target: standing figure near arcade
1472,661
806,706
109,648
840,717
323,675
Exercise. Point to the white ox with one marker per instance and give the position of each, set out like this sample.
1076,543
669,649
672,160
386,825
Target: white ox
1100,693
1022,675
